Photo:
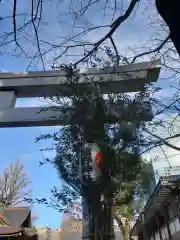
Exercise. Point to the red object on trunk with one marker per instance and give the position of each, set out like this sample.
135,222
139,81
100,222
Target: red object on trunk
98,159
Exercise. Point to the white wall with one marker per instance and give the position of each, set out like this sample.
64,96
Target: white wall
44,234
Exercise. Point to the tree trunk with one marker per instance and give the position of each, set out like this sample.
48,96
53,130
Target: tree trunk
169,11
97,219
126,228
98,230
86,220
96,210
120,224
108,221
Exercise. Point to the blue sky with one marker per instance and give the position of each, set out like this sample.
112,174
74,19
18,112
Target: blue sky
19,143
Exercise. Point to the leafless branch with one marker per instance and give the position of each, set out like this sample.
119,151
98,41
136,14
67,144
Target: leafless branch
14,19
163,141
35,55
113,26
165,155
157,49
67,48
78,44
84,9
7,35
115,9
13,185
116,51
153,144
55,59
84,32
9,17
36,33
37,9
167,107
14,26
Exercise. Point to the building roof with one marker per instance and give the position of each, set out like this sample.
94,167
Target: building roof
16,215
10,231
161,192
12,219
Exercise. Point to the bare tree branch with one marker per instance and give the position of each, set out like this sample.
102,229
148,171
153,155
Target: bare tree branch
13,185
14,26
16,15
113,26
84,9
157,49
165,155
36,33
115,8
14,19
116,51
163,141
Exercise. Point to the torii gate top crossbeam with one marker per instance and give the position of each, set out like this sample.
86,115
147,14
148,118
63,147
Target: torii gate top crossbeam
127,78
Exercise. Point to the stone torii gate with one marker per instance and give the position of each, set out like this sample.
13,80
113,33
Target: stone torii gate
127,78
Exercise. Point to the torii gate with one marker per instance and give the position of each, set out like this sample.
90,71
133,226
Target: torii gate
127,78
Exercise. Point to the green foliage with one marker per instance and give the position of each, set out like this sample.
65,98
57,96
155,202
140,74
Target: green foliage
141,177
118,140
